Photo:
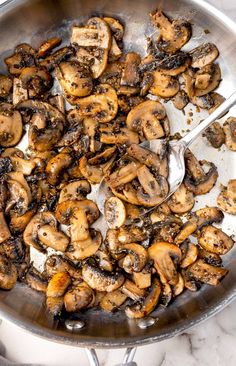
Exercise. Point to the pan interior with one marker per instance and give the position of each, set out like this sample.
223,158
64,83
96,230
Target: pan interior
35,20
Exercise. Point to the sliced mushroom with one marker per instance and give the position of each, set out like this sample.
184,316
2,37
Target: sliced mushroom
164,256
153,190
57,263
54,305
113,300
124,137
215,240
165,86
206,273
64,210
53,238
122,175
11,127
131,233
203,55
104,259
4,230
145,118
187,229
76,190
48,45
20,194
206,216
5,85
212,74
210,258
13,249
102,157
102,105
36,80
8,273
227,198
75,80
136,257
132,291
94,173
217,101
115,52
138,311
56,165
181,201
174,33
101,280
78,298
130,74
115,212
22,165
189,254
95,34
30,235
144,156
230,133
24,56
19,222
51,61
180,100
142,279
36,280
82,249
58,284
116,27
215,135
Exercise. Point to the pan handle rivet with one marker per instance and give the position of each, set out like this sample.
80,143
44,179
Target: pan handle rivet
74,325
145,323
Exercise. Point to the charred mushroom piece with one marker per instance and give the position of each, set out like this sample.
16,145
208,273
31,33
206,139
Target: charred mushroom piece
58,284
138,311
230,133
64,210
75,80
165,255
82,249
55,167
102,106
101,280
48,45
76,190
11,127
116,27
203,55
146,118
189,254
181,201
51,61
180,100
210,77
210,258
206,216
214,240
187,229
206,273
57,263
115,212
135,259
113,300
8,273
24,56
36,280
215,135
78,298
174,34
227,198
36,80
165,86
130,74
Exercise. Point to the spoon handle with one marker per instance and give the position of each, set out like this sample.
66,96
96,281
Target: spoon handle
219,112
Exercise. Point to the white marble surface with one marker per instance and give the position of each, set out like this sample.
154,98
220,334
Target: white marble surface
208,344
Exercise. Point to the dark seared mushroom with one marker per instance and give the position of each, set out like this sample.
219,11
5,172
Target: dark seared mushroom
78,297
131,233
11,127
47,46
210,258
116,27
206,216
207,79
203,55
227,197
36,80
51,61
94,173
215,240
8,273
230,133
4,230
55,167
215,135
36,280
206,273
165,86
101,280
130,76
13,249
76,190
135,259
174,34
180,100
57,263
64,210
24,56
181,201
20,195
132,291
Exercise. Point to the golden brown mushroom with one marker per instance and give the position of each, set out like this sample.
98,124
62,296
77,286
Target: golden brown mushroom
11,127
215,240
8,273
230,133
227,198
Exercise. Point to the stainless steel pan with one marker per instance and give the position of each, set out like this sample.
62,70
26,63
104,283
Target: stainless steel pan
35,20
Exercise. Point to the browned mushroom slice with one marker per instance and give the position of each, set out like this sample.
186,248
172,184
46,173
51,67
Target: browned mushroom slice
132,291
102,106
116,27
135,259
144,156
165,86
4,230
181,201
53,238
36,280
203,55
36,80
122,175
54,305
79,228
55,167
113,300
97,36
19,92
210,258
187,229
215,240
217,101
138,311
11,127
206,273
230,133
215,135
58,284
82,249
64,210
204,102
78,298
24,56
153,190
146,83
130,74
48,45
204,184
5,85
104,259
189,80
101,280
30,235
57,263
124,137
210,76
76,190
8,273
103,156
19,222
174,64
207,215
51,61
145,118
142,279
193,166
227,197
131,233
165,255
74,79
94,173
20,194
115,212
178,288
189,254
115,52
174,33
180,100
22,165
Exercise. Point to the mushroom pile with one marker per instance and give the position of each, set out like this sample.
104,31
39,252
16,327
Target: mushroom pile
110,102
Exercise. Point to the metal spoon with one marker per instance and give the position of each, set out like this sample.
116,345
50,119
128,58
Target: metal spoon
177,149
